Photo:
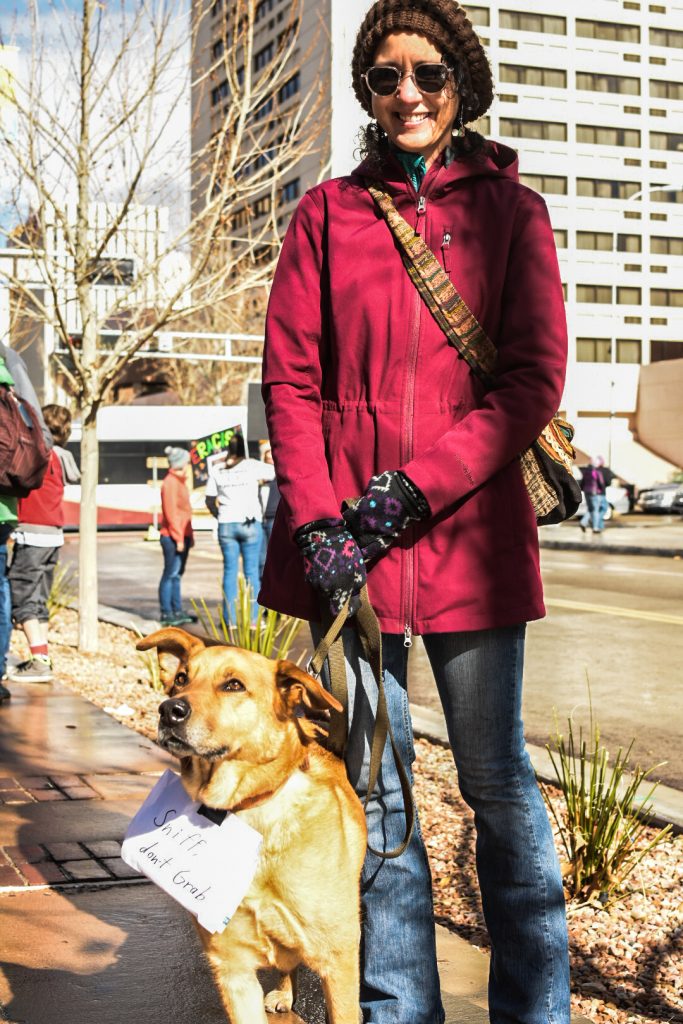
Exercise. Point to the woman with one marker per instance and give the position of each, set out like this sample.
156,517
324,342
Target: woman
365,397
232,496
176,536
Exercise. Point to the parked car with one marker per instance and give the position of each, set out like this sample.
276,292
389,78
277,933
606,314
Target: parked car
659,498
677,503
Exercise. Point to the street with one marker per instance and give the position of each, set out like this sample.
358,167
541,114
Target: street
614,622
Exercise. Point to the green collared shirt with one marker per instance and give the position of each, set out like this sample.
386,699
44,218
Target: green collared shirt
413,164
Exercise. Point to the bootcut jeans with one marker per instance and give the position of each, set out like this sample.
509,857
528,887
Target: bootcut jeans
237,539
170,600
479,678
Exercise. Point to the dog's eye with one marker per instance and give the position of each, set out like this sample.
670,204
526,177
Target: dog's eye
231,686
180,679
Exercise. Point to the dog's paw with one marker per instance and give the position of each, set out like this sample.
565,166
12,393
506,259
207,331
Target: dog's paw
278,1001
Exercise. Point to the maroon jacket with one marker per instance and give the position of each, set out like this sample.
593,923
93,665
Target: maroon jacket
358,378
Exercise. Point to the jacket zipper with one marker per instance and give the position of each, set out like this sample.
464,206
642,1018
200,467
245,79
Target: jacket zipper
409,559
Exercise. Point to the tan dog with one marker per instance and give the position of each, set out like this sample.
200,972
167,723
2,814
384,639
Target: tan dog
240,725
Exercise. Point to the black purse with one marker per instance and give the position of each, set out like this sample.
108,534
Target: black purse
547,464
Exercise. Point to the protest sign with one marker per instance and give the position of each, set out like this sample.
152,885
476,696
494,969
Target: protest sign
204,450
206,867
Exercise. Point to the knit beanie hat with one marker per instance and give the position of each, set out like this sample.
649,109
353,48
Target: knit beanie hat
177,457
447,25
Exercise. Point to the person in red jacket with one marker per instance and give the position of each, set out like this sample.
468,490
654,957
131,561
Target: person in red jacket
176,537
38,537
364,396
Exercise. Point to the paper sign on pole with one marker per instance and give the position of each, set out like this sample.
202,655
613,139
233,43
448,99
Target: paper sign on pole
208,868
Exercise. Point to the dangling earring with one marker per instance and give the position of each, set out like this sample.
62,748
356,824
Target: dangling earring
459,126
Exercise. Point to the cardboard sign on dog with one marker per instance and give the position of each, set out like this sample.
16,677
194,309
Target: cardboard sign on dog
206,867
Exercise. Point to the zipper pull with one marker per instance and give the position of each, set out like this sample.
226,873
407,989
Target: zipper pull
421,205
446,251
407,636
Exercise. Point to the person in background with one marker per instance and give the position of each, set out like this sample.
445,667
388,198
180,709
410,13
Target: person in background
176,536
269,495
14,374
595,479
232,497
37,539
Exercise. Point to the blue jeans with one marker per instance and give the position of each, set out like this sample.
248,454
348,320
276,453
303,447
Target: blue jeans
170,600
479,678
236,539
594,516
5,610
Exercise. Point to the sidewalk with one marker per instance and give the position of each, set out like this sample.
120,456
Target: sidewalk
83,937
625,535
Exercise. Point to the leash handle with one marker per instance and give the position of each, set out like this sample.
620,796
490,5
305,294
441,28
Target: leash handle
331,648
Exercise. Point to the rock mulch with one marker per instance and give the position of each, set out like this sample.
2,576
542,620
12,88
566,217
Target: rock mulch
627,960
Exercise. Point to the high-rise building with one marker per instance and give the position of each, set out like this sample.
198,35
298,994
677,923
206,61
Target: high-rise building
590,94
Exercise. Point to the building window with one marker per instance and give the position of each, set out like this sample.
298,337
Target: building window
666,37
219,92
667,297
597,240
548,77
264,110
607,30
629,243
264,57
666,90
291,191
661,350
521,129
551,184
478,15
217,49
263,8
523,22
601,188
667,195
599,293
593,350
666,140
607,83
597,136
666,246
290,88
560,238
628,350
629,296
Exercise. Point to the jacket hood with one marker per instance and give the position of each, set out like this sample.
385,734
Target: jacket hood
496,161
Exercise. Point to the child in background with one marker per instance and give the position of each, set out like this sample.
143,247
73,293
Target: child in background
37,540
176,536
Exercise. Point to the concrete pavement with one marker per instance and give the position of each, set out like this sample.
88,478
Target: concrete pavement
83,937
625,535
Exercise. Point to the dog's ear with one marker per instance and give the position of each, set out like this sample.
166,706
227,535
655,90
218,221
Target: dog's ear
297,687
174,647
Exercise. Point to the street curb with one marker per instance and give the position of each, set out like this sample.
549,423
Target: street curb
613,549
666,803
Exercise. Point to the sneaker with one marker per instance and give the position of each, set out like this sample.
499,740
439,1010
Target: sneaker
182,617
35,670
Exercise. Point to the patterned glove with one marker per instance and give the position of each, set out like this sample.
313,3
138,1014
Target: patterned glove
333,562
390,502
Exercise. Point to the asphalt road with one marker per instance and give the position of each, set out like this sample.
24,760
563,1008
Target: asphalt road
614,625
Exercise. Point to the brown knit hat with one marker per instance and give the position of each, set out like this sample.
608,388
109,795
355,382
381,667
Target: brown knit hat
446,24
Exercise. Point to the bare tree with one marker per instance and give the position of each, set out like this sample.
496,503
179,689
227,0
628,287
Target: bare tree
92,148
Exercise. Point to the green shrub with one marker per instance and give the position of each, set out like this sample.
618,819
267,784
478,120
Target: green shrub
272,634
603,828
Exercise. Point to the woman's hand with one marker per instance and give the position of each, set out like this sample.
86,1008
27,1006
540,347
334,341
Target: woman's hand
391,501
333,563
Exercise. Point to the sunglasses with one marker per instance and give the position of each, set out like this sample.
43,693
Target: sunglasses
384,80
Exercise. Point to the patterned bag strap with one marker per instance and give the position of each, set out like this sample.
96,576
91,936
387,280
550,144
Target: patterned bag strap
447,306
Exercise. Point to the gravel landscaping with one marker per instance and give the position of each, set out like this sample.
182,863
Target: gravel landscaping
627,962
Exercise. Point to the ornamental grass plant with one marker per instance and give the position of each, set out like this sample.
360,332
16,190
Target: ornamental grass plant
64,589
255,628
603,826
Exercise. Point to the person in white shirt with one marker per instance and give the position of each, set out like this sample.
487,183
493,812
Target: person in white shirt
232,496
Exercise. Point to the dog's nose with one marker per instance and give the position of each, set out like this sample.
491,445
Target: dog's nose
174,711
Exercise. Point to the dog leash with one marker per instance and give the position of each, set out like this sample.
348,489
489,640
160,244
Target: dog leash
331,648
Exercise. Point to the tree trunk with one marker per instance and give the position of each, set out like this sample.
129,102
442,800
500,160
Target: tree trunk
87,557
